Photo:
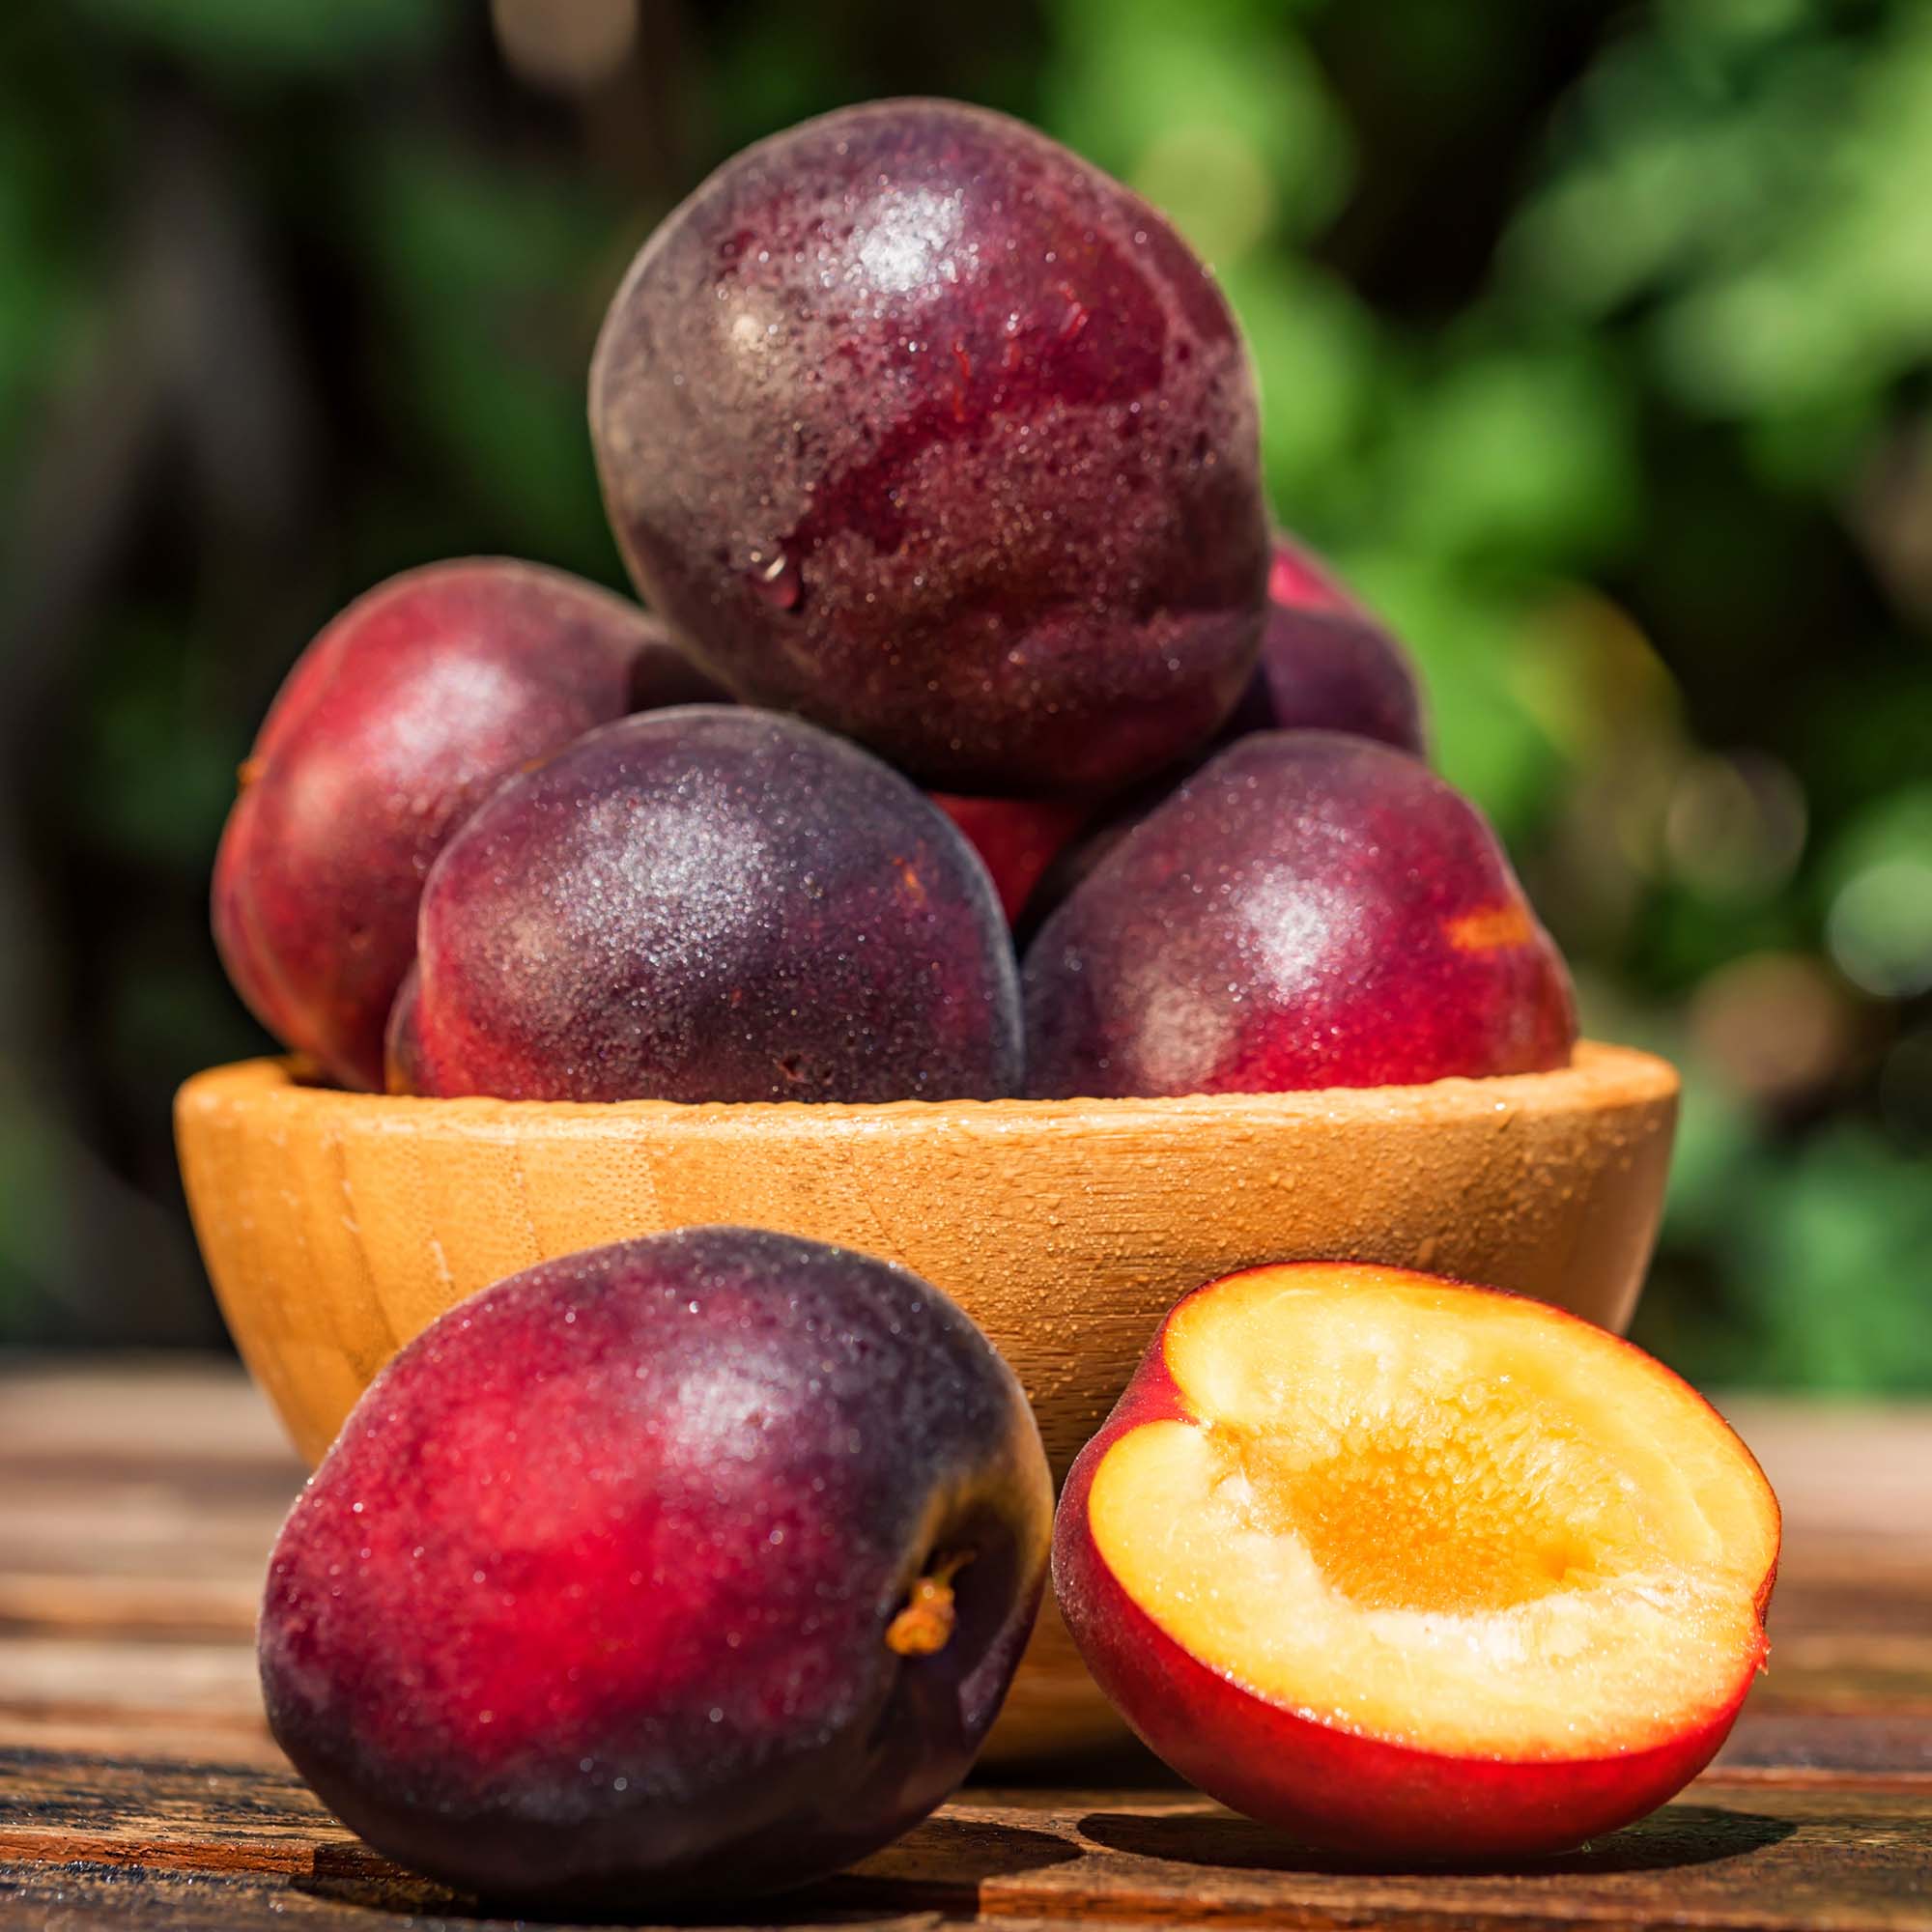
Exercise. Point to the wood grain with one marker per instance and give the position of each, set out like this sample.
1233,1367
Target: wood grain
138,1784
1734,1853
336,1226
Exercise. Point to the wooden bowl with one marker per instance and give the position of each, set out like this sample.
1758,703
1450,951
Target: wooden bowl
335,1226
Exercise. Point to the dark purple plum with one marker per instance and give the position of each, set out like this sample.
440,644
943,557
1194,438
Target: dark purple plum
1327,664
710,903
692,1567
1308,910
917,425
1300,579
399,717
1018,838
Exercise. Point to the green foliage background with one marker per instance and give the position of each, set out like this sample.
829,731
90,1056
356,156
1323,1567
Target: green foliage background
1596,343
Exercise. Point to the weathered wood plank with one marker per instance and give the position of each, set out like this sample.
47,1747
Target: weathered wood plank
1731,1853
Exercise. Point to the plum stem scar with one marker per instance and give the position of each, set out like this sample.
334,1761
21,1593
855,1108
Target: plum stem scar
925,1624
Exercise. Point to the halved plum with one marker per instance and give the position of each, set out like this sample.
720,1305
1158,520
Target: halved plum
1416,1570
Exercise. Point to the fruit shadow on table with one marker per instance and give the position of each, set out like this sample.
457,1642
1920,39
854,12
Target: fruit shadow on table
1680,1836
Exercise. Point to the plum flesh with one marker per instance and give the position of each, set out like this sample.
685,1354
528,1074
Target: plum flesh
1308,910
396,721
710,903
602,1597
917,425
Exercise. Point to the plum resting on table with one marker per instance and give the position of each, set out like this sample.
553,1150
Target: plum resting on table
710,903
917,424
394,722
1308,910
1415,1571
695,1566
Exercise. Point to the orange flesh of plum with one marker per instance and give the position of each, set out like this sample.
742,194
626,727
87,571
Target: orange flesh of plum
1440,1517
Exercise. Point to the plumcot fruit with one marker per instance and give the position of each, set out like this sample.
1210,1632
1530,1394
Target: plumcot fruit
400,717
1308,910
710,903
692,1567
917,425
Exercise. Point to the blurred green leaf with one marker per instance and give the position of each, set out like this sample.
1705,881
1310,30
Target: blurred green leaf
1317,358
1833,1253
1233,135
276,37
487,271
1523,454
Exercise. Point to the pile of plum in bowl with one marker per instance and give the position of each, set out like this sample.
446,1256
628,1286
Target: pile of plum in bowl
971,990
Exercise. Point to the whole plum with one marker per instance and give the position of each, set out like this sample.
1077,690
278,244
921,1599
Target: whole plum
917,425
710,903
1308,910
1018,838
1326,663
394,722
692,1567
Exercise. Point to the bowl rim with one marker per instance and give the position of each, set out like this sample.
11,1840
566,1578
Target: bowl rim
1598,1076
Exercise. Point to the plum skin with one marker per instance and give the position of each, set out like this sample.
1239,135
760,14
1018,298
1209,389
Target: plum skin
1301,579
710,903
1308,910
1018,838
401,714
589,1601
1326,663
920,426
1337,1789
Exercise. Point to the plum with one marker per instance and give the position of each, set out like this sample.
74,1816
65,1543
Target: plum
693,1566
1301,579
1018,838
394,722
710,903
1416,1570
1327,664
1309,910
917,425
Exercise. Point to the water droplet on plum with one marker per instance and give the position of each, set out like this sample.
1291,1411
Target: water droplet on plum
779,583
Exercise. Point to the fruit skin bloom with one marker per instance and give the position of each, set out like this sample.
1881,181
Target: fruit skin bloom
1309,910
917,424
710,903
592,1602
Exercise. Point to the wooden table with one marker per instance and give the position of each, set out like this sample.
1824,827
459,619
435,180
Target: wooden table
139,1786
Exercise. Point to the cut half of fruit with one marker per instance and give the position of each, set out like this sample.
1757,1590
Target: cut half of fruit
1416,1568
